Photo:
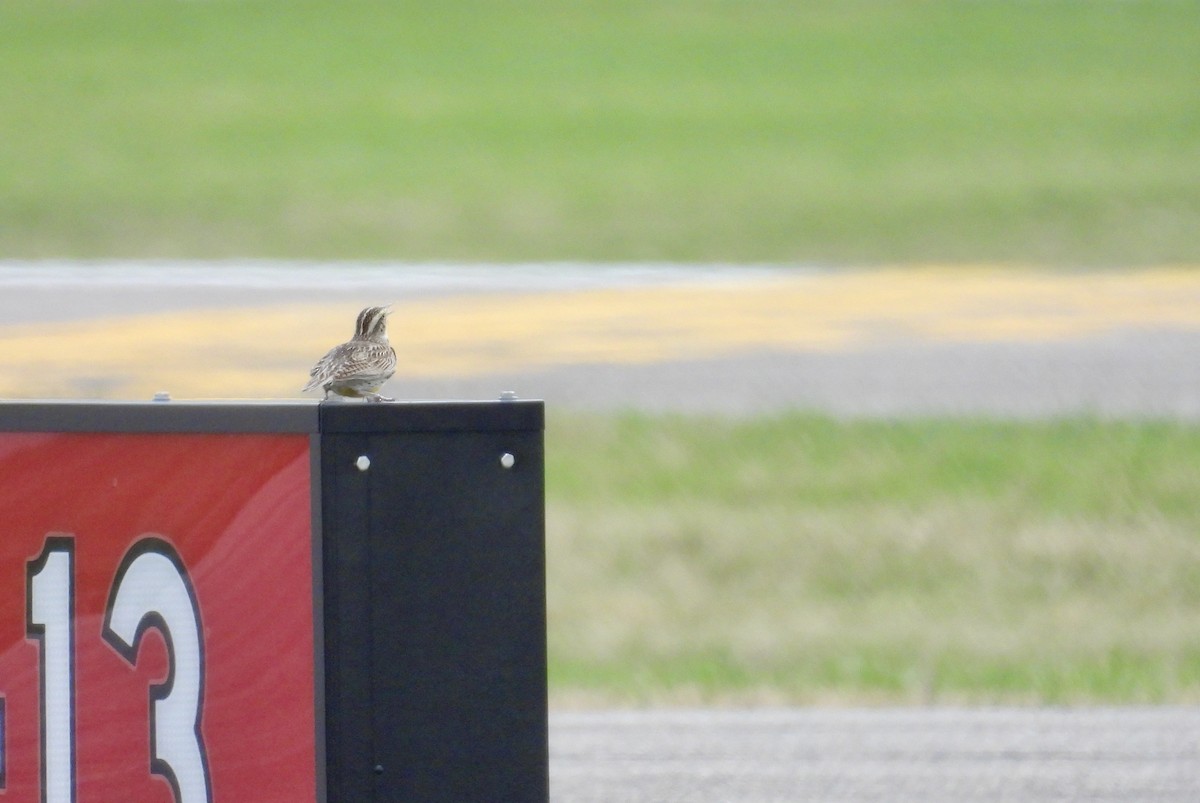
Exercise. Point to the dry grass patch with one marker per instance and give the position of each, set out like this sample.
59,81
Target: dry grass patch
876,564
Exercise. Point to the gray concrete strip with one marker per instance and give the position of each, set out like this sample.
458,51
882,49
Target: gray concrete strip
32,292
1134,374
966,755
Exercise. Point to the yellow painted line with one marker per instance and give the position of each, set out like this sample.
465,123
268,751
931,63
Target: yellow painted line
267,352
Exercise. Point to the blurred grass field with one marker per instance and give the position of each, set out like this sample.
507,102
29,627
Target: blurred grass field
803,559
695,130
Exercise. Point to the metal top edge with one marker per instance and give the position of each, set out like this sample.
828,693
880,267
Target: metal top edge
268,416
443,416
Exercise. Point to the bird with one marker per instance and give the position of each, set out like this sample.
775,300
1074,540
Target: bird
359,367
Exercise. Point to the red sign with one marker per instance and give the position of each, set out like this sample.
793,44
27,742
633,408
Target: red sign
156,618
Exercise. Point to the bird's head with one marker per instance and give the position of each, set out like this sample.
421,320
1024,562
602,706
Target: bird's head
372,323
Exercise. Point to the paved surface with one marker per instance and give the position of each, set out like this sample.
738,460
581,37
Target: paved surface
925,755
714,339
1132,374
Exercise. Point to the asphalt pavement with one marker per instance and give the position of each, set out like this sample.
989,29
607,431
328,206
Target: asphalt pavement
922,755
738,340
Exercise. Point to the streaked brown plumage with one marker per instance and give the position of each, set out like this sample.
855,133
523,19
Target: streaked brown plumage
359,367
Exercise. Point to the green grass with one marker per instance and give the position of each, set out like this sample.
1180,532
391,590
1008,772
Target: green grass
808,559
1064,132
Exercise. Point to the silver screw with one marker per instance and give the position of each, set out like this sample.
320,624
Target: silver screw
162,396
363,462
507,460
508,395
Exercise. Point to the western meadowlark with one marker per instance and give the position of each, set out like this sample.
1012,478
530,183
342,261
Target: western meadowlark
359,367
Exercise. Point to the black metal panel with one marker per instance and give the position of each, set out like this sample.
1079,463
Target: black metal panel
435,613
455,416
346,570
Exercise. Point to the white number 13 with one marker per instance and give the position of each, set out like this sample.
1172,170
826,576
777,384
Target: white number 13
151,590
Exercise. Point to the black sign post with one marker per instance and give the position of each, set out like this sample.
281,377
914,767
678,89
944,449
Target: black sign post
435,623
